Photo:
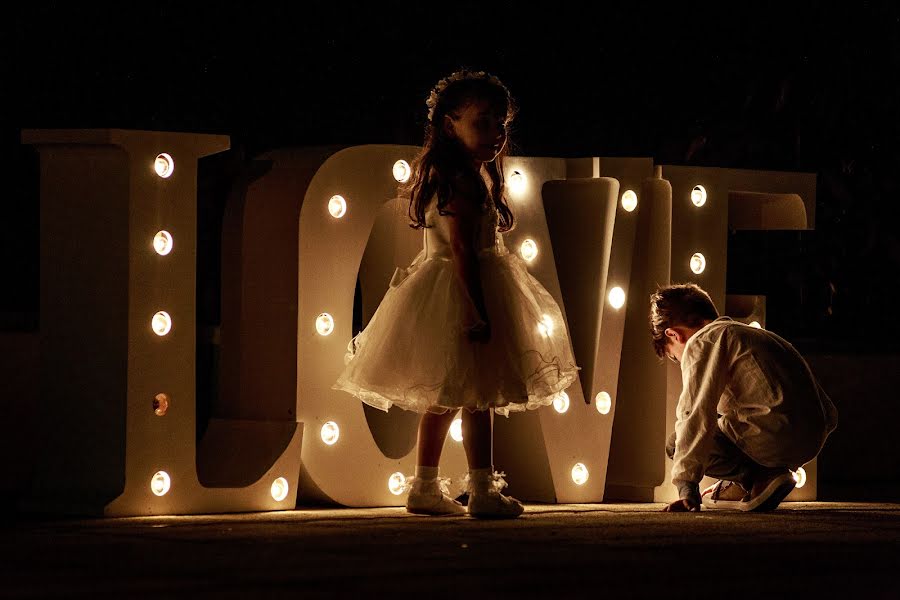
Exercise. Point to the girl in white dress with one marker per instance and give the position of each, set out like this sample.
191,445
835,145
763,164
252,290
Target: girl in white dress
465,326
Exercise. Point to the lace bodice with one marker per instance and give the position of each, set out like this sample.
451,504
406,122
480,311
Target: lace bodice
437,236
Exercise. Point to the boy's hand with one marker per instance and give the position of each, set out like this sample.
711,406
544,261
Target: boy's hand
682,506
689,494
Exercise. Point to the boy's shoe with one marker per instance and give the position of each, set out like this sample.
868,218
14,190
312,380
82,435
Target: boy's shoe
724,495
769,490
486,501
431,497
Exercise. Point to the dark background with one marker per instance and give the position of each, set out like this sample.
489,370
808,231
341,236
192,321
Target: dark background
781,86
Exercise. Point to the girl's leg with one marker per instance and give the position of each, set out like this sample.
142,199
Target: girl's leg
426,495
432,432
485,499
477,430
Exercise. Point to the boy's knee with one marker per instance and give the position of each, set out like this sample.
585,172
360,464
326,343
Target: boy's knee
670,446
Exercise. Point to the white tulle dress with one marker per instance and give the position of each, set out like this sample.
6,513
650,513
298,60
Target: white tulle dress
414,352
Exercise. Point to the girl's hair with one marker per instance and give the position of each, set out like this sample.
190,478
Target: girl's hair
685,305
443,165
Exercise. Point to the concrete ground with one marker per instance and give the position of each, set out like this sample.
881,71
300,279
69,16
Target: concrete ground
598,550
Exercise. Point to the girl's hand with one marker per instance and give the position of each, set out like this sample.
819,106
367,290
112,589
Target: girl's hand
479,333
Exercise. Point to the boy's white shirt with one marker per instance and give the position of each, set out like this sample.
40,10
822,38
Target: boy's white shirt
754,387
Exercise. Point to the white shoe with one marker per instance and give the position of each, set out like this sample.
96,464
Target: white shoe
486,501
727,495
769,491
431,497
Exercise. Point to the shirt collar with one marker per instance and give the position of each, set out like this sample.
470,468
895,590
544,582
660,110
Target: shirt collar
704,328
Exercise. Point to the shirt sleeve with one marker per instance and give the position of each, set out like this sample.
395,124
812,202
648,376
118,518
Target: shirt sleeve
704,375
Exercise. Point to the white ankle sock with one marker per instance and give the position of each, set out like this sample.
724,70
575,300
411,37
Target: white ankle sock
426,473
481,479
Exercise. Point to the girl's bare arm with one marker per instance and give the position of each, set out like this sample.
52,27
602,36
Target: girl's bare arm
464,223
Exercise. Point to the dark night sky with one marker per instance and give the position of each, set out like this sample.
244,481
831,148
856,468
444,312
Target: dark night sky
769,86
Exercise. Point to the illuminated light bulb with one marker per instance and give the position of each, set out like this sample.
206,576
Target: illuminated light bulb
698,263
337,206
279,489
603,402
517,182
162,242
160,404
629,200
561,402
160,483
799,477
330,433
755,324
164,165
545,327
324,324
397,483
528,250
161,323
698,195
617,297
579,474
456,430
401,171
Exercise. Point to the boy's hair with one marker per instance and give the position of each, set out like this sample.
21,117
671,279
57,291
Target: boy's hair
442,165
685,305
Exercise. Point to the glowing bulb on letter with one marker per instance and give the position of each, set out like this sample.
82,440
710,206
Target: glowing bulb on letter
561,402
164,165
629,200
160,483
698,195
456,430
161,323
545,327
337,206
162,242
603,402
528,250
324,324
279,489
161,404
698,263
579,474
397,483
517,182
330,433
755,324
799,477
401,171
617,297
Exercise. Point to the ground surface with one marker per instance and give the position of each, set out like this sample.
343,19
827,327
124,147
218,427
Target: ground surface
624,550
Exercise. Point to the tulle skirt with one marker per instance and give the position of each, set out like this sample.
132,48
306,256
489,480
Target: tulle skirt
415,354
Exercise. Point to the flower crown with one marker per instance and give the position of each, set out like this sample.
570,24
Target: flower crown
446,82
